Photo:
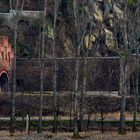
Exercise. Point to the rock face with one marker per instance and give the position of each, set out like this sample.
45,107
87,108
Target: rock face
100,12
105,10
109,39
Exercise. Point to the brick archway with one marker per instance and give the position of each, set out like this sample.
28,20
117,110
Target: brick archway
4,72
6,63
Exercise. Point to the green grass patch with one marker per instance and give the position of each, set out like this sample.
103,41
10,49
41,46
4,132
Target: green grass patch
64,123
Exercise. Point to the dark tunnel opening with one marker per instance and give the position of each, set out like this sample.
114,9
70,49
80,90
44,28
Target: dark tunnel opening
4,83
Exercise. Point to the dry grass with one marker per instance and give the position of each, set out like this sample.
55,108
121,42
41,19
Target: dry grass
68,136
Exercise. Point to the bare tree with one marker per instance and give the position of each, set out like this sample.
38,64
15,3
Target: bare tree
124,50
78,43
137,44
16,14
124,54
136,90
55,67
42,68
76,134
84,78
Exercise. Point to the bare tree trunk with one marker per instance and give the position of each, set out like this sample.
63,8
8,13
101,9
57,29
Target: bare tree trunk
71,106
88,121
84,82
55,97
22,113
78,46
41,96
42,69
55,69
13,94
58,105
136,91
123,91
76,134
102,120
82,95
29,112
79,43
124,70
75,111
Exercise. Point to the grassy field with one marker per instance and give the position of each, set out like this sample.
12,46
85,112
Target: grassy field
67,126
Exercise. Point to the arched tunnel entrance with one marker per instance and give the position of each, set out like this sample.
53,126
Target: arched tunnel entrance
4,82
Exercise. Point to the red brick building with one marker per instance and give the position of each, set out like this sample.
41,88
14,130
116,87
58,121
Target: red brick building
6,62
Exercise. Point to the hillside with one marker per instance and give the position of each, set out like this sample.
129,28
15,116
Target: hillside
74,66
100,13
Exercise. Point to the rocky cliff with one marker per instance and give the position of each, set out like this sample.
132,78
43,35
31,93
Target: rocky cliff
101,12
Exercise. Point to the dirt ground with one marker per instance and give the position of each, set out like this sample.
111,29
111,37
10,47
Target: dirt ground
68,136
